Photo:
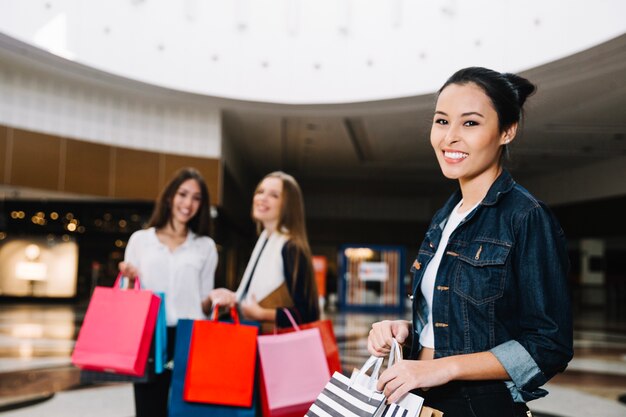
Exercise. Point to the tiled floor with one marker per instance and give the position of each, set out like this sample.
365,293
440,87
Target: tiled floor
36,378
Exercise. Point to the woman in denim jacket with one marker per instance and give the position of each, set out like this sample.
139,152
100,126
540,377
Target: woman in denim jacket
491,310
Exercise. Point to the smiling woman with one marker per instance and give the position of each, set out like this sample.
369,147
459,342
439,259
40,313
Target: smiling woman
467,138
279,275
491,314
175,256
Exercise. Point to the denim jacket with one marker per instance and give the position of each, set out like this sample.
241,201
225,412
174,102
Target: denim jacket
501,287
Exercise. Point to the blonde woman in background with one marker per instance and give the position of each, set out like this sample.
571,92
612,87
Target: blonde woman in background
280,272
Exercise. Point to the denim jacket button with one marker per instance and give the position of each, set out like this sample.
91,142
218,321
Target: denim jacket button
441,324
417,265
431,245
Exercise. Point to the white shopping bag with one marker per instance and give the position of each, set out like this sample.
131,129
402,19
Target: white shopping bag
343,397
409,405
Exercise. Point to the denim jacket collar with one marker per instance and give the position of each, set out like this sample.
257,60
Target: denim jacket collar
502,185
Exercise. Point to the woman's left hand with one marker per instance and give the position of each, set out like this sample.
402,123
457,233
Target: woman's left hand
408,375
252,310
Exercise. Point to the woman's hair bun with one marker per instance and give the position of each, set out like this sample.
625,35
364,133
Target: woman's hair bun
521,87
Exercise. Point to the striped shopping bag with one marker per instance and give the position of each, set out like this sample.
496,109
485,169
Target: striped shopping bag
410,405
341,397
394,410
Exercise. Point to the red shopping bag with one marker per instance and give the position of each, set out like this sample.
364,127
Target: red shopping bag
117,330
293,371
328,339
221,365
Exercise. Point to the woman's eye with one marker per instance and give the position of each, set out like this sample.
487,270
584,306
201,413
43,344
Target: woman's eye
441,121
470,123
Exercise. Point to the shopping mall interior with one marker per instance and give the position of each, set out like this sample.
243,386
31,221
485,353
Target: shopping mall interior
100,103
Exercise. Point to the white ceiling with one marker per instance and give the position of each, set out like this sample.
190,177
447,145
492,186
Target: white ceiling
309,51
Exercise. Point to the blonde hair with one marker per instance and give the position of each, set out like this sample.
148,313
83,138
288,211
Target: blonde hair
291,221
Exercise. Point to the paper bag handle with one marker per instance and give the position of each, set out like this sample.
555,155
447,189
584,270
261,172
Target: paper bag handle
233,314
291,319
118,281
373,379
395,354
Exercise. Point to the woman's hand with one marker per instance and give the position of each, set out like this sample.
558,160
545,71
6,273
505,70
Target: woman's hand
408,375
382,334
223,297
253,311
129,271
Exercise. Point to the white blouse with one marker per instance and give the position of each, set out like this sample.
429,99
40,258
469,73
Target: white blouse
186,275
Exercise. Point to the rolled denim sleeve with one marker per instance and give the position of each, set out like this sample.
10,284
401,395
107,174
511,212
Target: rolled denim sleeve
544,344
522,369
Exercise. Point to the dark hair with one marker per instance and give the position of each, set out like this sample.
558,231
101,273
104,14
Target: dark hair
200,224
507,92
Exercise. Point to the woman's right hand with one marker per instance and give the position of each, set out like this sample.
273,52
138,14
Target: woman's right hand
128,270
223,297
381,336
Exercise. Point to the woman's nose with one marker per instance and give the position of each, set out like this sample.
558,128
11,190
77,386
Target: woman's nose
452,135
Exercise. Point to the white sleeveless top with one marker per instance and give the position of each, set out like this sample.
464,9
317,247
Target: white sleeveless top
427,336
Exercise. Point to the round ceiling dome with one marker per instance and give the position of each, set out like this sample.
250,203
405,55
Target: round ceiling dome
309,51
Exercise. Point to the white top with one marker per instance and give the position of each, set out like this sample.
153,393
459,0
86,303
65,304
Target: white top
186,275
269,273
427,336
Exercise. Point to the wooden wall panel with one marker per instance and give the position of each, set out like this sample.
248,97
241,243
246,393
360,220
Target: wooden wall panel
87,169
209,168
136,174
35,160
3,153
54,163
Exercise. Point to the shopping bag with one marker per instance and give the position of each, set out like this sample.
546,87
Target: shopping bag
344,397
178,407
394,410
409,405
328,339
293,371
222,360
430,412
117,330
160,337
156,359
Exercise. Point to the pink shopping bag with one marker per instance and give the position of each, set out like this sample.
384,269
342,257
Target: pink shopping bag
117,330
294,370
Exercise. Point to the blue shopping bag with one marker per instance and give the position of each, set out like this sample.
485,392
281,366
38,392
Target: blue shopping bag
181,408
160,337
